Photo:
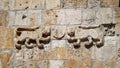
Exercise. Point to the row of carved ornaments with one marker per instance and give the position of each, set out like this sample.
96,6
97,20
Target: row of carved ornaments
75,35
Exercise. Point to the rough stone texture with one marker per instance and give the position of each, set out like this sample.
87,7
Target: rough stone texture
109,3
73,3
6,37
3,18
52,4
104,16
116,15
59,34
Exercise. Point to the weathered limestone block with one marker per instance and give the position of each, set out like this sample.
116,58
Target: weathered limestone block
110,63
3,18
38,54
60,46
71,63
6,61
6,37
58,32
109,3
52,4
34,17
21,4
56,64
116,14
63,16
69,16
21,18
50,16
29,64
93,3
4,4
110,41
27,54
88,18
118,64
104,16
98,64
87,63
42,64
19,59
73,3
26,4
109,53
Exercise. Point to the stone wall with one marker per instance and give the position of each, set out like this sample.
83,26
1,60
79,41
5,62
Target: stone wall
59,34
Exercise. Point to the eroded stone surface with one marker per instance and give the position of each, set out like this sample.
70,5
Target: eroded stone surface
109,3
56,64
116,14
52,4
3,18
4,4
73,3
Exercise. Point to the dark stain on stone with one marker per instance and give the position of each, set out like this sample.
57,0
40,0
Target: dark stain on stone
24,16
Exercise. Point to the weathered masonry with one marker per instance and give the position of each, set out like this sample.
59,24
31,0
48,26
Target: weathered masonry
59,34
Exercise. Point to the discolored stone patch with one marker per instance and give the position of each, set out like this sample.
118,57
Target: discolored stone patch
3,18
73,3
109,3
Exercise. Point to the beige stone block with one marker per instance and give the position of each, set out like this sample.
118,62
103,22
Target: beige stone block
27,54
6,37
58,32
4,4
73,53
69,16
73,3
22,4
6,61
50,17
109,3
21,18
56,64
51,54
98,64
3,18
42,64
71,63
61,53
87,63
116,14
52,4
110,63
12,16
38,54
117,64
34,17
104,16
93,3
110,41
29,64
62,16
37,4
109,53
11,4
88,18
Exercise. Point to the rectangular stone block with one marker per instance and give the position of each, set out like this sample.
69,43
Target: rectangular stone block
110,41
42,64
89,18
3,18
73,3
110,63
6,37
71,63
109,3
38,54
98,64
104,15
34,17
62,16
56,64
29,64
6,61
93,3
116,15
52,4
26,4
4,4
27,54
